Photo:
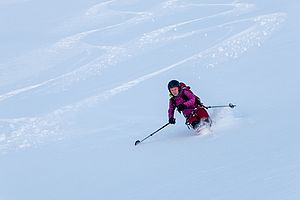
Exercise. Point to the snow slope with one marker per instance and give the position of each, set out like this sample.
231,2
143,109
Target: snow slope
81,81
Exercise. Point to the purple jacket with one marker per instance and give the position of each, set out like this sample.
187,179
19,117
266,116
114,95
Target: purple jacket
190,104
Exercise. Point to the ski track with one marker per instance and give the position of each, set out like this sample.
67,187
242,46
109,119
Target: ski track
116,54
30,132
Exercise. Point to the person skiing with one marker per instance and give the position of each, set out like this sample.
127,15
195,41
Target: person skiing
187,103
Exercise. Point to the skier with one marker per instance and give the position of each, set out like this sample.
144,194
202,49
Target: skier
187,103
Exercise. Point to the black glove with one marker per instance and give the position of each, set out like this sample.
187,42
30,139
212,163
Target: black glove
172,120
181,107
203,106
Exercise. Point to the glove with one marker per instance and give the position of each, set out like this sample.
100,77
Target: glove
172,120
203,106
181,107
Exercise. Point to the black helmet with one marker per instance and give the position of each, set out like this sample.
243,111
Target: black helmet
173,83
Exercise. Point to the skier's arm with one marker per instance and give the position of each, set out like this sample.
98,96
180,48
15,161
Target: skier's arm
171,109
192,98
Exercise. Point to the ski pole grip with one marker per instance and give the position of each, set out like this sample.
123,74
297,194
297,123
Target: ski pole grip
231,105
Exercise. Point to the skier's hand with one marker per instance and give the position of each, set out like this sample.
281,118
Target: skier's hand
181,107
203,106
172,120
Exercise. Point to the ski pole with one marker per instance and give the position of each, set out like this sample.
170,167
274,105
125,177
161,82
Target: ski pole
138,141
229,105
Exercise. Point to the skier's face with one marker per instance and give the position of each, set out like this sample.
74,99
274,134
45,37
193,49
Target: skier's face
174,91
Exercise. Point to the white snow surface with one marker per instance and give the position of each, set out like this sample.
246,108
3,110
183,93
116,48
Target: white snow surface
80,82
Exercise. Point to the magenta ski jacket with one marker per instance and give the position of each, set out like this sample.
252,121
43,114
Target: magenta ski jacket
190,103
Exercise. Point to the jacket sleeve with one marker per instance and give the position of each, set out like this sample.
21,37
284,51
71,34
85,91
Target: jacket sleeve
171,109
192,99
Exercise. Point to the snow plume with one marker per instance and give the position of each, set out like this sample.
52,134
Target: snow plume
223,119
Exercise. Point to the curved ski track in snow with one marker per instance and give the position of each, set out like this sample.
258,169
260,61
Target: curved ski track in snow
29,132
116,54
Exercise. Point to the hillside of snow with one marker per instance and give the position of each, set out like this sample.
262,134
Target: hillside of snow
80,82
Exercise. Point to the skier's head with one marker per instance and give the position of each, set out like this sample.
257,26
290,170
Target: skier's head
174,87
